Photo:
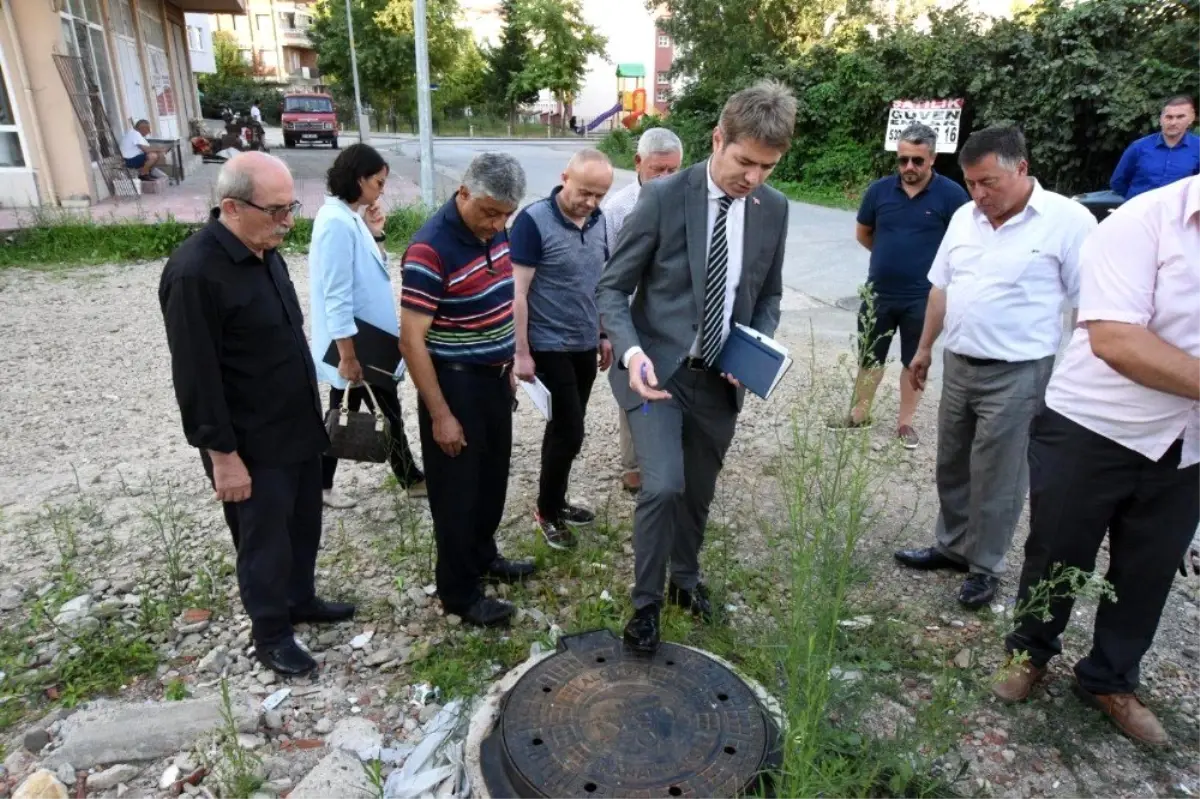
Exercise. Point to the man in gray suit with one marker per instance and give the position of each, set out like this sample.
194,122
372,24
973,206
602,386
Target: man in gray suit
703,250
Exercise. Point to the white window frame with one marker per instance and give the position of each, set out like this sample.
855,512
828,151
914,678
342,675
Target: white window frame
195,37
67,14
664,40
663,78
15,126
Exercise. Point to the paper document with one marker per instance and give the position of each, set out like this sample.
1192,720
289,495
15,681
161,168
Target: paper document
540,395
787,364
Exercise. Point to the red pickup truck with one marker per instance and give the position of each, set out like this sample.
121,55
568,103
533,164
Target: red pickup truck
308,119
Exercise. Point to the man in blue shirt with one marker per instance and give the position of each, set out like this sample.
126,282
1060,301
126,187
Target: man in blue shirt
901,220
1161,158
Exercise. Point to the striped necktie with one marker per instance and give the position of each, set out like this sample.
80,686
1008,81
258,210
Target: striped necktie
714,287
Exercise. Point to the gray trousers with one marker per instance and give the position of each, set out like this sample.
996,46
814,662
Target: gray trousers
681,445
982,464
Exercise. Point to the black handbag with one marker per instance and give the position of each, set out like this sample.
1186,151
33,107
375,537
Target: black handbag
358,435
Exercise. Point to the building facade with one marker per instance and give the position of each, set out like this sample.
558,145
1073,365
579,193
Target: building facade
273,38
74,76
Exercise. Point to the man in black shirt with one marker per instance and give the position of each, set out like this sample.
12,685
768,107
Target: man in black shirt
247,392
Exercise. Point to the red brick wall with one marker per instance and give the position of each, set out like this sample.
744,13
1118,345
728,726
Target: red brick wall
663,57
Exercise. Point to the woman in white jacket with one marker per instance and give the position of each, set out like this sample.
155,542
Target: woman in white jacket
349,280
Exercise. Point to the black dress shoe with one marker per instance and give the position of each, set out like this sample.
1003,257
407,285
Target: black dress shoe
321,611
696,600
978,590
503,570
285,658
488,613
928,559
641,633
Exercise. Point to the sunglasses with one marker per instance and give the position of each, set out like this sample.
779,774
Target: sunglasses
916,160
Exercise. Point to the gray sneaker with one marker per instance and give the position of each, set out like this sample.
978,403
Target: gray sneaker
908,436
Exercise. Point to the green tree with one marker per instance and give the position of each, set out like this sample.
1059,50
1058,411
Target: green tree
506,61
227,57
463,85
562,43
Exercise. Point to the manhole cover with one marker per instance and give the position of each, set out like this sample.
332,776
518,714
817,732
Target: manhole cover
597,720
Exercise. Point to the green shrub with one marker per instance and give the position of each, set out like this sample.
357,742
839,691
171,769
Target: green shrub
619,147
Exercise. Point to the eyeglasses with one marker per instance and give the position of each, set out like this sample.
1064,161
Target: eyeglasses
916,160
276,212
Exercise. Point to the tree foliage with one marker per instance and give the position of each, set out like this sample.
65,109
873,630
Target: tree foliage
1081,79
506,61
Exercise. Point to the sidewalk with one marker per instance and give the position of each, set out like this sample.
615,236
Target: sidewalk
189,201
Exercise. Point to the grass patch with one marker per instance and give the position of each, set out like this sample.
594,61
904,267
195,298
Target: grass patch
828,196
464,664
69,241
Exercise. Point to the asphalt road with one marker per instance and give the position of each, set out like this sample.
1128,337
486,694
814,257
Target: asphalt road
823,260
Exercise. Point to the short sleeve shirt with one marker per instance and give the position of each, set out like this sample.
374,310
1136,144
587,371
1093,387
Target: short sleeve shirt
908,231
132,143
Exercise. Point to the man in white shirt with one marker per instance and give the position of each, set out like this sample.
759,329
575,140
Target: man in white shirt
1116,450
1006,266
659,154
139,153
255,112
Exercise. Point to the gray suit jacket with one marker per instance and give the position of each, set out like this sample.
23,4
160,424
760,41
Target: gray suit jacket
661,253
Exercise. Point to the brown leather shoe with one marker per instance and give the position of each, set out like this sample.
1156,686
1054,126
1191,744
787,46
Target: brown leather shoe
631,482
1129,714
1012,682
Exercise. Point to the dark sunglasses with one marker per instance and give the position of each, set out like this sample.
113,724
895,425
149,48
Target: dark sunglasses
277,212
917,160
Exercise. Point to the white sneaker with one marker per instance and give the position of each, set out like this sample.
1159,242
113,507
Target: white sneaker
332,499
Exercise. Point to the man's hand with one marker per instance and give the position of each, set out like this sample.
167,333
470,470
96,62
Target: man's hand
350,369
642,379
606,354
918,368
375,218
448,434
231,480
1193,558
733,381
523,367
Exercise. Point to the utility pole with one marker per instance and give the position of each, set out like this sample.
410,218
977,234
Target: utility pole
358,112
424,102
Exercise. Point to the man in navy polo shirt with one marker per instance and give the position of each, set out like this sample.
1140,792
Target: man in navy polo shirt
901,220
559,247
1161,158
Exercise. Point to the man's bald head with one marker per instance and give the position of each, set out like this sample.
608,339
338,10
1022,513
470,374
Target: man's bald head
256,192
587,178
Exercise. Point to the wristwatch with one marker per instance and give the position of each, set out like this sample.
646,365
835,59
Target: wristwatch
381,237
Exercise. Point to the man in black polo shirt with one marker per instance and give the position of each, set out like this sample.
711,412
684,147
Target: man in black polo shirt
456,335
247,392
901,220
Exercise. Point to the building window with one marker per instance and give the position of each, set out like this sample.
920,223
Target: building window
664,79
664,40
195,39
85,39
10,140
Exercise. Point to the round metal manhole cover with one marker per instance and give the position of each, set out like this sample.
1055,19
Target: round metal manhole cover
598,720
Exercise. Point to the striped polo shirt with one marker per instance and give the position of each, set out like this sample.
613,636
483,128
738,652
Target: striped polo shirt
465,285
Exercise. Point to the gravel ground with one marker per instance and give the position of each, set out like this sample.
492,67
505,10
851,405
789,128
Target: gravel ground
93,414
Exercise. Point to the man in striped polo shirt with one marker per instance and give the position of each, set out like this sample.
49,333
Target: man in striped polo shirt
456,334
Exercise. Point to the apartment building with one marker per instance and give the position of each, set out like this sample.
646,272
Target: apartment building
74,76
273,38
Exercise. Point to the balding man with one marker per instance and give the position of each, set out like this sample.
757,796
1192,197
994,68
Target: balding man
247,392
559,247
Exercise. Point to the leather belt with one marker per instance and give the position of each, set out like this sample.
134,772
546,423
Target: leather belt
981,361
496,370
695,364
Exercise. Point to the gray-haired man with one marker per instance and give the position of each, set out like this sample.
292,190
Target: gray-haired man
456,334
659,155
901,220
1006,266
702,250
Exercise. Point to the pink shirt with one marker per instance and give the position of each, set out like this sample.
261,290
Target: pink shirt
1141,267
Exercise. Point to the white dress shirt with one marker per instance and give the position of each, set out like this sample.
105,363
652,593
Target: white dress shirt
1141,267
616,207
735,226
1005,287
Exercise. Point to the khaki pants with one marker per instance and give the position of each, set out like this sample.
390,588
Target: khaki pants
628,456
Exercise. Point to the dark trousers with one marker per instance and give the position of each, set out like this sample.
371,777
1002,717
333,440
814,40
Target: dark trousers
467,492
1081,485
569,377
276,533
404,465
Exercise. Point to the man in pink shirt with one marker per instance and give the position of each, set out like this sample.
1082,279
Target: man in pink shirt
1116,450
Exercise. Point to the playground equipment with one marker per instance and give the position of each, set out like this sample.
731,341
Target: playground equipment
631,97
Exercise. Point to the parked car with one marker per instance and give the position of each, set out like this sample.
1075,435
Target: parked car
1100,203
308,119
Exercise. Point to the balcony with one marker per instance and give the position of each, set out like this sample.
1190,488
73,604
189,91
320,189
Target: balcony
295,37
304,74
